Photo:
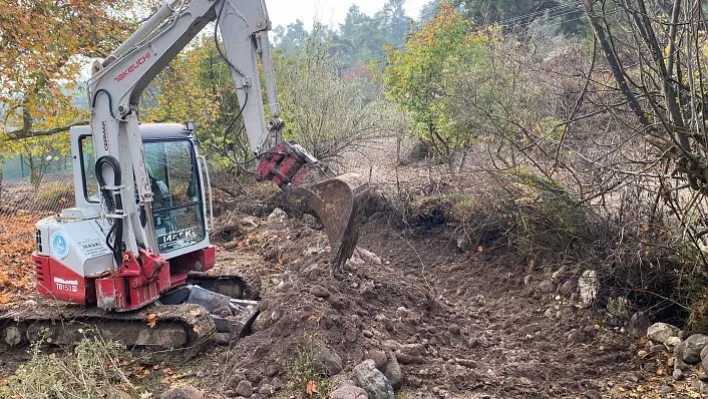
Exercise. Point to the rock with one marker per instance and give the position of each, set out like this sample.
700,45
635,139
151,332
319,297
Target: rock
319,291
559,274
681,365
671,343
310,220
266,389
660,332
528,279
577,336
379,357
278,215
260,323
471,364
182,393
657,348
593,395
704,353
638,325
567,288
703,377
589,286
374,382
248,224
393,372
546,287
272,370
690,350
678,375
277,383
349,392
367,333
244,389
328,360
369,256
283,286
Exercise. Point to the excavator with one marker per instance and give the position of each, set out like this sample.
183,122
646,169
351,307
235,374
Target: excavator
132,261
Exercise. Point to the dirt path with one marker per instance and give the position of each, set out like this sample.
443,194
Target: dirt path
488,334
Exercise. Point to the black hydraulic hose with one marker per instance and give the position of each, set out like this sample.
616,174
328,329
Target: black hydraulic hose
114,204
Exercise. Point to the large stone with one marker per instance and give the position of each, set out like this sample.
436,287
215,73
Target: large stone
244,389
319,291
369,256
374,382
638,325
393,372
379,357
704,354
349,392
546,287
589,285
690,350
660,332
277,215
327,359
182,393
671,343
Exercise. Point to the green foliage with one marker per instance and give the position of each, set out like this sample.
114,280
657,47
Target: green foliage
327,112
415,78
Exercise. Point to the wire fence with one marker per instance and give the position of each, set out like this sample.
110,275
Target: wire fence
45,197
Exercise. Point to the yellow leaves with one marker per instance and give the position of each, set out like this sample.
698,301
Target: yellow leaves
5,299
152,320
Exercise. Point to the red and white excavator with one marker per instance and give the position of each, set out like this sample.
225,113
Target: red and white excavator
133,256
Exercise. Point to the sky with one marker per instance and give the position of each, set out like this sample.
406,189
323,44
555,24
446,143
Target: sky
329,12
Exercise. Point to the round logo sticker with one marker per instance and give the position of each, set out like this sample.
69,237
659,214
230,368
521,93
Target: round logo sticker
59,245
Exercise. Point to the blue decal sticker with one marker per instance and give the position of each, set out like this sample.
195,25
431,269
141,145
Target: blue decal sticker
59,245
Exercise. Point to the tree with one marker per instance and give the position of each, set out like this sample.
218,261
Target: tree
42,45
414,78
519,14
324,112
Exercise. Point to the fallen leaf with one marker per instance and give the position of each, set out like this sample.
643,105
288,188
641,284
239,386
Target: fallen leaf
152,320
5,299
480,249
197,329
311,387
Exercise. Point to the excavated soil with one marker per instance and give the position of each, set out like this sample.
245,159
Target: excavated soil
460,324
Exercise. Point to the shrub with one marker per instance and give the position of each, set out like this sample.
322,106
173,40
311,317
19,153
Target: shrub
91,370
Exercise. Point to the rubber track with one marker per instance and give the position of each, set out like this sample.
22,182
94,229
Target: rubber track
195,320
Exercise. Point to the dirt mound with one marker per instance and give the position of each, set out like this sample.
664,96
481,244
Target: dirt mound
453,325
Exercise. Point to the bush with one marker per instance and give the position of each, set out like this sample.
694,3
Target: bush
324,112
91,370
303,374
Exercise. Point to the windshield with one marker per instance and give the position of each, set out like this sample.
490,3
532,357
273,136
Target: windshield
177,203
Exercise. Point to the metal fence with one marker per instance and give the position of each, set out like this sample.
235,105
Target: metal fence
54,192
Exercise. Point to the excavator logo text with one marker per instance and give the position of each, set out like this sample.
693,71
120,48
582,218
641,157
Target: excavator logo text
133,67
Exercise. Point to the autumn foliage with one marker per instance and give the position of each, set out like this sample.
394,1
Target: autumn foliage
16,246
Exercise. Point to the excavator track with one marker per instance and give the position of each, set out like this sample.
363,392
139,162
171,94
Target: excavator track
177,331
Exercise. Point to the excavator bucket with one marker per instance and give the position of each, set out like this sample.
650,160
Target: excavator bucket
338,203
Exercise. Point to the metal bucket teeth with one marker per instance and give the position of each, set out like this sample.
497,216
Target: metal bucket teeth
338,202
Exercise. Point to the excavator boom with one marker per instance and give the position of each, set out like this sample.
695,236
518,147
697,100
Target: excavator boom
136,247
